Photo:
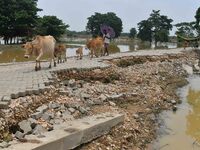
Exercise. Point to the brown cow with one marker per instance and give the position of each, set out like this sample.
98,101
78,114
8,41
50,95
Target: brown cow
79,53
94,45
60,53
39,46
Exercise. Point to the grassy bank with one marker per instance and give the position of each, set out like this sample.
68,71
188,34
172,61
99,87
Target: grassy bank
11,53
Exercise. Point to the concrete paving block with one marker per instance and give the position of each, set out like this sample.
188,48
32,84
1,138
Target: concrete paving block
14,95
46,83
47,88
22,93
6,98
4,104
36,91
42,90
29,92
73,133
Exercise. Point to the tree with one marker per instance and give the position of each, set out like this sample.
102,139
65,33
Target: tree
145,33
110,19
186,29
197,17
132,33
51,25
17,18
156,26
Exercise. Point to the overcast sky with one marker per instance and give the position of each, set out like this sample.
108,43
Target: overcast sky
76,12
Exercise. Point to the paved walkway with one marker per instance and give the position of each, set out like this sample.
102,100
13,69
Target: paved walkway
20,79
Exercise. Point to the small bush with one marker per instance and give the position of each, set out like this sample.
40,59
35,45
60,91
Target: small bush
113,48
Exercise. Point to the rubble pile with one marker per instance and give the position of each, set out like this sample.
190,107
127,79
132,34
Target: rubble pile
138,87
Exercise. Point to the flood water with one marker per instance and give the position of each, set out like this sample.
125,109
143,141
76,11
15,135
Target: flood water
16,54
72,51
181,130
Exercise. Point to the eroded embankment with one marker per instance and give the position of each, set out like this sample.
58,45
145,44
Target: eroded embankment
140,87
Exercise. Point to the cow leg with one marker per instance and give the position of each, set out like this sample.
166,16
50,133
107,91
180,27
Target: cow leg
50,60
38,60
95,52
63,58
81,56
58,60
36,68
54,61
102,52
39,68
92,53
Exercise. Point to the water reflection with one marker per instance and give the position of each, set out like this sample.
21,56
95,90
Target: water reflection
193,117
124,48
181,130
72,51
165,44
15,53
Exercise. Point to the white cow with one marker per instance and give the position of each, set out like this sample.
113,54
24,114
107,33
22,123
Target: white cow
39,46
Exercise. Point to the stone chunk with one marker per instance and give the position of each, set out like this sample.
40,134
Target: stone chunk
39,130
54,105
46,117
33,122
6,98
83,110
42,108
111,103
19,135
37,115
25,125
173,102
72,110
4,104
4,145
72,83
67,115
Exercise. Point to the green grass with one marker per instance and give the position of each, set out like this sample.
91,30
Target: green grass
112,48
15,53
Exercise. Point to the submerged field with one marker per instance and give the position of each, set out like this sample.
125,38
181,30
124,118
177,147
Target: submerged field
15,53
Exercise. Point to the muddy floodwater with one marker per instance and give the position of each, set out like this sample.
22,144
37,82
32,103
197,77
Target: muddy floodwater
180,130
16,54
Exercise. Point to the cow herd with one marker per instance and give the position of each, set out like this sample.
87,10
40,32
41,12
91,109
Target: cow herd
46,45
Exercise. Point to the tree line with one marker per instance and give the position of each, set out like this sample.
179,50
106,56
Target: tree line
20,19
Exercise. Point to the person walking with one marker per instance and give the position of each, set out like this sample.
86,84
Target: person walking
106,39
